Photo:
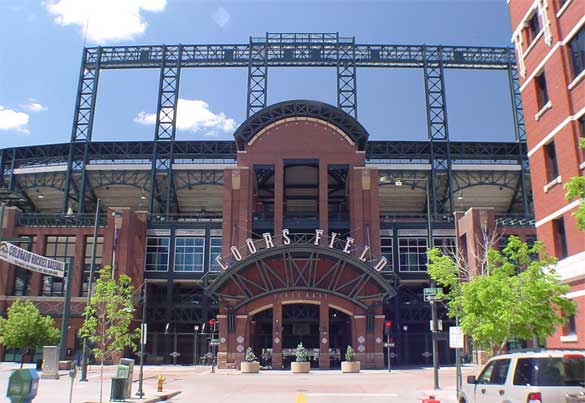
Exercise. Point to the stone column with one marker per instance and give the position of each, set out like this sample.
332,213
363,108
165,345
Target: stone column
324,336
222,349
277,335
358,337
376,352
242,339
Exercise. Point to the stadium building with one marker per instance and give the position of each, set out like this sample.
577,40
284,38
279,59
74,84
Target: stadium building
301,229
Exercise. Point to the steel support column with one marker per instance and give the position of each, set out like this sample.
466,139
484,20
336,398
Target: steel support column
519,132
438,129
12,180
165,129
257,76
82,125
346,77
2,162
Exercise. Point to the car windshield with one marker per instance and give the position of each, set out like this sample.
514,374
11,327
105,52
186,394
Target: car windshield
551,371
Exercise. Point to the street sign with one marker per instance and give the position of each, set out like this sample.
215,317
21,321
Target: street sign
455,337
391,345
439,325
214,342
144,333
431,293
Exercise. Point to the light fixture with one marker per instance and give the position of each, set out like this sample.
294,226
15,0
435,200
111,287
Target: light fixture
40,195
143,196
460,195
398,182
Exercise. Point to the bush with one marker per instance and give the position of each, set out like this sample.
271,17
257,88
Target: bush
250,356
301,353
349,354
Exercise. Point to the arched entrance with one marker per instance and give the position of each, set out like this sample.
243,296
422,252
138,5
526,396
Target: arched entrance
317,295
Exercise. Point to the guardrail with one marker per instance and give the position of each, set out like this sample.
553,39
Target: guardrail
59,220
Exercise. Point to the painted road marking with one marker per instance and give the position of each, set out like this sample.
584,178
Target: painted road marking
354,394
301,398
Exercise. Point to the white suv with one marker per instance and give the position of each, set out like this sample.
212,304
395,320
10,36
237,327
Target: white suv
546,376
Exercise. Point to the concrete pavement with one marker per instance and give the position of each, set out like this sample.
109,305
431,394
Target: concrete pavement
199,385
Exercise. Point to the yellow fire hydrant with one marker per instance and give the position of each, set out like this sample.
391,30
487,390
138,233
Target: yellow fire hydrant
159,383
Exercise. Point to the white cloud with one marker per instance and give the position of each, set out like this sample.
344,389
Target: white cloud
194,115
33,106
221,17
105,20
13,120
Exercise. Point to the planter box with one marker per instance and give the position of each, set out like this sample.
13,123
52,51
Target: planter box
351,367
300,367
250,367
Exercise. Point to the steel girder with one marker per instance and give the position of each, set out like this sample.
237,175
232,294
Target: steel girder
257,76
519,131
164,134
346,77
82,126
437,126
186,179
137,179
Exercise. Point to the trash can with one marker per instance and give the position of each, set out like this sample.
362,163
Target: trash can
118,392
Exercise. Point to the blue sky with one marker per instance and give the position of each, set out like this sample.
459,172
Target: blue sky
42,41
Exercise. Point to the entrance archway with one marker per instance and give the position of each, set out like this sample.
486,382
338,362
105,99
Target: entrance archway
339,336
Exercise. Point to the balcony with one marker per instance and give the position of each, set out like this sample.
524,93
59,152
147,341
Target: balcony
59,220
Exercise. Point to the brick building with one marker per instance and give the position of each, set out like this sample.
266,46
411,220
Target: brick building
549,37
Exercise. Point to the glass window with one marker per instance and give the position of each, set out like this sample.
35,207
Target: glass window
577,49
533,26
581,136
189,253
387,252
157,254
214,251
571,328
59,248
560,238
550,159
495,373
541,90
446,245
99,250
550,371
22,277
413,254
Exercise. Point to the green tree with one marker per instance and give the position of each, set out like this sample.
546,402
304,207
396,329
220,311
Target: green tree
575,188
518,295
108,318
25,328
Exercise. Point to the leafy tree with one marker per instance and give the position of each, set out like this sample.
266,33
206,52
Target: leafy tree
108,318
576,190
349,354
301,353
518,295
250,356
25,328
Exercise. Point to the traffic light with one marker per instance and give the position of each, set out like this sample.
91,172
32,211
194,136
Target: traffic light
387,327
212,325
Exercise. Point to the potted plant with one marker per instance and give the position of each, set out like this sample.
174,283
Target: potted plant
250,365
349,365
301,365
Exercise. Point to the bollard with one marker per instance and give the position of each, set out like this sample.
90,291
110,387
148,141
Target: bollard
431,399
159,383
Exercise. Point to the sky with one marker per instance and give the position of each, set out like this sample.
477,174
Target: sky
42,42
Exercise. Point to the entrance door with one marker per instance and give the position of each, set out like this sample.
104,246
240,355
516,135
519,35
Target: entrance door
300,324
261,336
339,336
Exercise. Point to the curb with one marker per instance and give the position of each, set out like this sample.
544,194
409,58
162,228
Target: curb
160,398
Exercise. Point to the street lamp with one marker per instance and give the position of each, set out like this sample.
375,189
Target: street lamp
195,352
143,334
398,182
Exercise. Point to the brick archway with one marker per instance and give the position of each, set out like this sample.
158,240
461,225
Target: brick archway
236,330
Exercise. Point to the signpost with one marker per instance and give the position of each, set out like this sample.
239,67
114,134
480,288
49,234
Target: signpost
456,341
430,293
387,329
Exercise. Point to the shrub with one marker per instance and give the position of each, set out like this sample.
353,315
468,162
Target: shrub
250,356
301,353
349,354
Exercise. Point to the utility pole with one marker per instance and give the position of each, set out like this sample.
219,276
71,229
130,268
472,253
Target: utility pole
143,333
66,309
85,352
435,323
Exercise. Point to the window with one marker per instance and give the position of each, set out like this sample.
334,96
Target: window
386,249
59,248
413,254
550,371
157,254
99,251
581,138
560,238
22,277
495,373
189,254
541,90
550,161
571,327
533,26
577,49
214,251
447,246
